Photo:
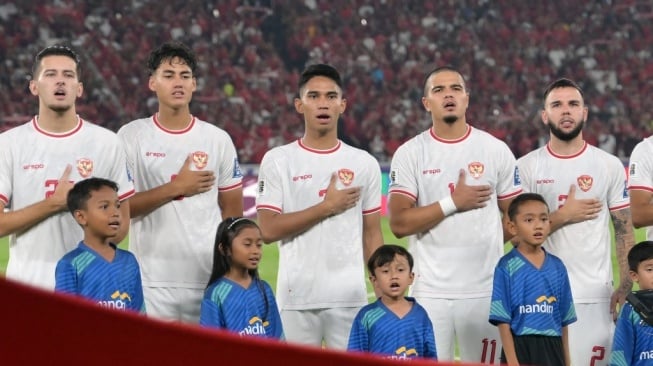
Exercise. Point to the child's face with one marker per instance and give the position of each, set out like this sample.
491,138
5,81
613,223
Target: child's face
644,275
246,249
101,217
531,224
393,278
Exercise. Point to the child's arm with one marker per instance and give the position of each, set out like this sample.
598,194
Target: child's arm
565,345
508,344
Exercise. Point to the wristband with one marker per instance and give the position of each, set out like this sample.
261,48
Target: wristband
447,206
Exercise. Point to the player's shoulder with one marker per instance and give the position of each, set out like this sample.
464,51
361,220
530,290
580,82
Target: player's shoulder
533,155
206,127
73,254
135,125
17,131
604,155
643,149
96,128
358,154
283,152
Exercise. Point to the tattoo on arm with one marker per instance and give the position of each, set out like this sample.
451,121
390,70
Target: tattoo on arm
624,240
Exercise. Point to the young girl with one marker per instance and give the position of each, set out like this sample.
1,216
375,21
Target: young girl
236,298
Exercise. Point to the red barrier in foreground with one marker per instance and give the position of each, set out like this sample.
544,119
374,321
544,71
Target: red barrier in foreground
40,328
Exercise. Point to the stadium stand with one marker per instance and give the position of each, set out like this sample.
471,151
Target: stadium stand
251,53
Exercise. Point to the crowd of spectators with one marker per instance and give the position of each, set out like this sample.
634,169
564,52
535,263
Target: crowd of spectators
252,52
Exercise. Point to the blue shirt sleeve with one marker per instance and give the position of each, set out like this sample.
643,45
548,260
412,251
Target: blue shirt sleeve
139,300
623,343
358,336
276,327
211,312
65,277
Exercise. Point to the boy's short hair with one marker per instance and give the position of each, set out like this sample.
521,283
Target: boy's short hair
386,254
513,209
56,50
325,70
639,253
168,51
81,192
439,69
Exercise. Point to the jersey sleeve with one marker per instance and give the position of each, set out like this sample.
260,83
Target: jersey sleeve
119,170
65,278
525,173
500,307
211,313
275,327
640,167
508,180
623,342
269,189
138,302
618,197
5,171
403,179
230,175
358,336
372,191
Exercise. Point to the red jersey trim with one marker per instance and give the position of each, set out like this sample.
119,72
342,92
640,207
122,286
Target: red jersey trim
268,207
445,141
620,207
57,135
374,210
127,195
4,199
548,148
640,188
158,124
510,195
229,188
405,193
329,151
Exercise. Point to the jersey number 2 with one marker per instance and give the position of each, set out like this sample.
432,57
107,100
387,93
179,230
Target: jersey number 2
598,354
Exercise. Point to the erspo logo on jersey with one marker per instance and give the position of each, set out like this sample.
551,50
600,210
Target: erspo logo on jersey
403,353
85,167
256,326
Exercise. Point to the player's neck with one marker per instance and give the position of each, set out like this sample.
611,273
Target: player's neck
56,122
450,131
565,148
320,142
102,246
398,305
174,119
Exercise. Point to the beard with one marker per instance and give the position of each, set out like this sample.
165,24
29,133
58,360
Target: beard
450,119
60,108
566,136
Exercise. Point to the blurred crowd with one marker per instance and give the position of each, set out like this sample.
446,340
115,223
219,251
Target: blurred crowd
252,52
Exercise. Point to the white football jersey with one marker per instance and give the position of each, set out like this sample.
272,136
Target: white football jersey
174,243
640,171
31,163
584,247
456,258
324,266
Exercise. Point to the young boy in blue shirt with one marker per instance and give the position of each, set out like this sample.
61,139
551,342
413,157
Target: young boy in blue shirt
532,303
633,337
393,326
97,269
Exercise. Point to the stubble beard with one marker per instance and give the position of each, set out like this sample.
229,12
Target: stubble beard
450,119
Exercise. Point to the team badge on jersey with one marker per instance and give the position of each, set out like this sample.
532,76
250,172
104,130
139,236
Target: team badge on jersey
261,187
585,182
346,176
393,176
476,169
200,159
632,171
85,167
516,180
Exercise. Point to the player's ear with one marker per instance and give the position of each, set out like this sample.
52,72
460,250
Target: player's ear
299,106
32,88
80,217
151,83
411,277
512,228
633,276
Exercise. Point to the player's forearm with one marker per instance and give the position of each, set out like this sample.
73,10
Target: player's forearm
624,240
143,203
277,226
508,343
565,345
372,235
24,218
413,220
558,220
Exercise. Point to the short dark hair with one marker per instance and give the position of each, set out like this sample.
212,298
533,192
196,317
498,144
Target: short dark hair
325,70
80,193
639,253
386,254
56,50
168,51
562,83
439,69
516,203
